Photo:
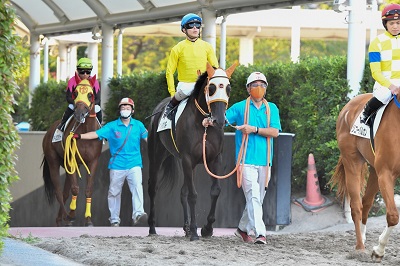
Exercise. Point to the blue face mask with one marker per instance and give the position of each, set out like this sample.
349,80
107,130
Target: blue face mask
125,113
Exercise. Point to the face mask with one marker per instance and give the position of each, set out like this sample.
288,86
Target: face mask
257,92
125,113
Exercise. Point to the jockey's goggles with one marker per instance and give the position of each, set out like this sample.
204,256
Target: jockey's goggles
191,25
392,14
255,85
84,71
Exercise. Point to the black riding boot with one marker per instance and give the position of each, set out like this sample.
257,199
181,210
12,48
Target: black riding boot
170,107
99,116
370,107
68,112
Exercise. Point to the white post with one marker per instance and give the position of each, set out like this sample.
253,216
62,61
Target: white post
62,53
119,53
222,47
45,60
107,61
93,54
34,76
295,39
356,45
209,31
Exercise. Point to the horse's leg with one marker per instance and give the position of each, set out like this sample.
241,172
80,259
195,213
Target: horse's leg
185,206
74,197
54,168
368,200
386,184
207,229
89,191
353,169
66,190
155,162
192,196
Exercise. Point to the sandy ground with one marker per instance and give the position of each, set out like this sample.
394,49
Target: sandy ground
322,238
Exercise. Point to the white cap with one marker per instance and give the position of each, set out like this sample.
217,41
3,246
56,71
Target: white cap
256,76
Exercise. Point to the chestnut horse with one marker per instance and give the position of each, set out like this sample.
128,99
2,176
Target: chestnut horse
209,99
384,167
85,152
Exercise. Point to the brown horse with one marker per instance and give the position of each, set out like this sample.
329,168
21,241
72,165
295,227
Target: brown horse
86,152
384,167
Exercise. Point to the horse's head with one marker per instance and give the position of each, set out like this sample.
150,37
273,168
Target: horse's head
83,99
217,92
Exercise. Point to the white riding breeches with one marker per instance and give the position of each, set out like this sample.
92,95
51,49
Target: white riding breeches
183,90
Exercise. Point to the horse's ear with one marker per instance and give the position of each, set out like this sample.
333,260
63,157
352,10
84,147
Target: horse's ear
210,70
77,78
230,70
92,80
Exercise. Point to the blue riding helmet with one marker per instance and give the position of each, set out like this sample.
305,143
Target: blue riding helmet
189,18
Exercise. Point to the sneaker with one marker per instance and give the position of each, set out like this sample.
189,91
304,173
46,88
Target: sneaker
260,240
115,224
141,218
246,238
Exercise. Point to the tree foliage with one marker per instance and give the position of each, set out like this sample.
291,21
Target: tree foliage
10,63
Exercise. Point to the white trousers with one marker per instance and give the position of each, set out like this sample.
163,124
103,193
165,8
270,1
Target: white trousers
383,94
253,185
117,178
183,90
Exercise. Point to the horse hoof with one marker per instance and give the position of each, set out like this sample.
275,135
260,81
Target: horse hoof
375,257
206,232
89,224
194,238
152,231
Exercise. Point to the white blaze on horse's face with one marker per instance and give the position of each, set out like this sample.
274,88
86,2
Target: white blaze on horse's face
219,88
84,93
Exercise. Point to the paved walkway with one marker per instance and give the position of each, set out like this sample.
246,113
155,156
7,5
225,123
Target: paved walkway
18,253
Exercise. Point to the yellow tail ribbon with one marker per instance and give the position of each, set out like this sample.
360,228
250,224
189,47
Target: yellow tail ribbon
71,149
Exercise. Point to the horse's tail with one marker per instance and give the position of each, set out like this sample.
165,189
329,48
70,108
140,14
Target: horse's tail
339,179
171,170
48,184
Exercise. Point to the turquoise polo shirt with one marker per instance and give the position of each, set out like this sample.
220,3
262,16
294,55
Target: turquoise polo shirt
256,153
115,132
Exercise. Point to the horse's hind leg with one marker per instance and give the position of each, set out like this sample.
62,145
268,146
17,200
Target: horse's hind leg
386,184
368,199
61,217
185,206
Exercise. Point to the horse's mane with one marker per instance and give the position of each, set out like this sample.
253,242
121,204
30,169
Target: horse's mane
199,86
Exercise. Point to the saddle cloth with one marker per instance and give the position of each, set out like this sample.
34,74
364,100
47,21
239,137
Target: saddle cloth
361,130
165,123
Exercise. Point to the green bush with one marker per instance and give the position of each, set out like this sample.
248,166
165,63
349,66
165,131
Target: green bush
309,94
48,104
10,63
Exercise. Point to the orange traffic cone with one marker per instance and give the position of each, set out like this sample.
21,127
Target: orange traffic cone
313,200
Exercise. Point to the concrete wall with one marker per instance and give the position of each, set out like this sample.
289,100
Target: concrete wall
30,206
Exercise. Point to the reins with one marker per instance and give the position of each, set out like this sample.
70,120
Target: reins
243,148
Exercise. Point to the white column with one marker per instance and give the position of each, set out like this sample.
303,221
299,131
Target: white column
119,53
45,60
34,75
62,53
356,45
373,30
246,51
107,57
222,48
295,38
209,31
93,54
72,61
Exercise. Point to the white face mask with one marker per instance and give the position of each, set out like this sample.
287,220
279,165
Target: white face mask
125,113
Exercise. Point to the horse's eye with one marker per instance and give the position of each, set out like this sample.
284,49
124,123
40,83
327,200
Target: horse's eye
228,90
75,94
90,96
212,89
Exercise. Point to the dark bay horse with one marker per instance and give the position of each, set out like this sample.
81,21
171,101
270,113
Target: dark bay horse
209,98
86,152
351,173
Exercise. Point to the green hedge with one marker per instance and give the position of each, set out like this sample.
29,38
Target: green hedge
309,95
10,64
